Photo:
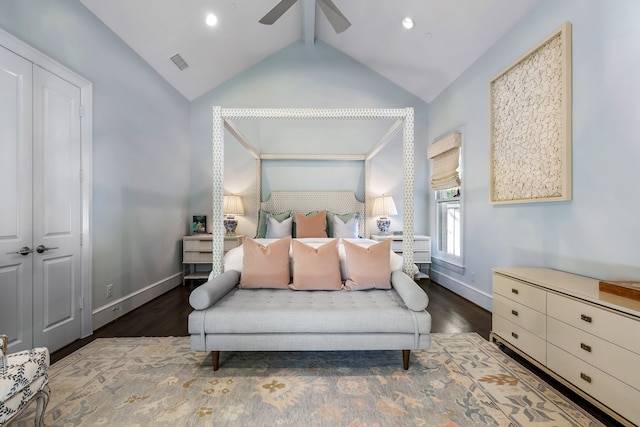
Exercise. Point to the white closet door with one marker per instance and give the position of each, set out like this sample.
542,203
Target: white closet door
56,211
16,283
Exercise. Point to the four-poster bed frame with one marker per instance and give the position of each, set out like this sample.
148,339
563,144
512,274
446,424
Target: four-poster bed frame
403,117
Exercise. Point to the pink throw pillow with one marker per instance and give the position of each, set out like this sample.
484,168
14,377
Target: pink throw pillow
368,268
265,266
316,269
311,226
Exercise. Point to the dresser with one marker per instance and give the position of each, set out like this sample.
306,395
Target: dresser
421,249
197,252
587,339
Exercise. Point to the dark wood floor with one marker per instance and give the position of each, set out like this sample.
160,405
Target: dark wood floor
167,316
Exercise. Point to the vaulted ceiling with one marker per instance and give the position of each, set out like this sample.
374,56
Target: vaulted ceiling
448,36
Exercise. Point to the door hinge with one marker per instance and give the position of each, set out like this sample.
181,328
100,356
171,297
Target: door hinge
81,238
82,111
81,303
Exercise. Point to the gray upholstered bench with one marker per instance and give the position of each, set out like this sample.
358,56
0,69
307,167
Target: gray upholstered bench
227,318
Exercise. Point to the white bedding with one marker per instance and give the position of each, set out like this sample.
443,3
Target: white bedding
233,259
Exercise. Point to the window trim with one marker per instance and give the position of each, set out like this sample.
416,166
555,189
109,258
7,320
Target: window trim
457,262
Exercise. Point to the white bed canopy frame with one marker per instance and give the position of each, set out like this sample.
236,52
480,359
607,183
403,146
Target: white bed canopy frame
403,117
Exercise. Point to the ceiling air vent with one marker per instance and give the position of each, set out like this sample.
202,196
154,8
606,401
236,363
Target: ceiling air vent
180,63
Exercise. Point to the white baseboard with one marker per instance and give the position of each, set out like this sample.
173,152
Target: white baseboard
474,295
110,312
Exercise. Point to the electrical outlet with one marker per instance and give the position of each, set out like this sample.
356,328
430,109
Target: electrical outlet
110,290
473,276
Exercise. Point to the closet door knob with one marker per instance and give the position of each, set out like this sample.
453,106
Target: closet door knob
25,250
42,248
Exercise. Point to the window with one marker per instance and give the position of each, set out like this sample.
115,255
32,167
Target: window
446,182
449,225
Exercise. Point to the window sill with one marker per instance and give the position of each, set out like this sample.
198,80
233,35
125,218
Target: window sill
449,265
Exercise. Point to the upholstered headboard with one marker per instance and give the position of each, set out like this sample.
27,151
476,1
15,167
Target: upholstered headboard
340,202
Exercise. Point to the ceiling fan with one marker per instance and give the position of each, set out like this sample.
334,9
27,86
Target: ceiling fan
331,11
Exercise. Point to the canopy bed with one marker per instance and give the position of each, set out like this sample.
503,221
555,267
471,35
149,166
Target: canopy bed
333,301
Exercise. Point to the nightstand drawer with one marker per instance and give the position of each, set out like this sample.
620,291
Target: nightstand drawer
230,244
523,293
422,257
422,245
198,245
196,257
396,245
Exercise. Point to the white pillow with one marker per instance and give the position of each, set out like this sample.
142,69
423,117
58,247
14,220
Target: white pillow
278,230
347,230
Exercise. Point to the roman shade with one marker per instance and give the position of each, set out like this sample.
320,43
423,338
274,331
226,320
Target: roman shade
445,154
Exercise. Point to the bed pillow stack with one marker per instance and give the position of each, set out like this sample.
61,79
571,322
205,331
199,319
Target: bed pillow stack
283,224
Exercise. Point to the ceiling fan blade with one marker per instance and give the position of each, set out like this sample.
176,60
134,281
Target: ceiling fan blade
277,11
333,14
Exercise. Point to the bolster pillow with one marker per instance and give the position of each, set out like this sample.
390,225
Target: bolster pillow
413,296
205,295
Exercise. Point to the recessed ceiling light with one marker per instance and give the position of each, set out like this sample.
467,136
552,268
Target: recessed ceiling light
211,20
407,23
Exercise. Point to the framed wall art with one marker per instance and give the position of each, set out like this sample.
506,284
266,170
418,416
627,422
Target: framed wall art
530,121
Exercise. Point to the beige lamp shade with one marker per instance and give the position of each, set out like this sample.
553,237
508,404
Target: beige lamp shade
233,205
384,206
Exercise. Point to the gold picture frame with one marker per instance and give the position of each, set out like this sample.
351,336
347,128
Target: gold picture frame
530,121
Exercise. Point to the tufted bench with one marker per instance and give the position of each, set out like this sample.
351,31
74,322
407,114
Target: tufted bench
227,318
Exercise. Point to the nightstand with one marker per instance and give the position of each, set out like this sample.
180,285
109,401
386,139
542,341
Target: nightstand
421,249
197,250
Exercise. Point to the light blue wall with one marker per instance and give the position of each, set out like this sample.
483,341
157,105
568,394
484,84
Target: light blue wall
597,233
307,77
140,144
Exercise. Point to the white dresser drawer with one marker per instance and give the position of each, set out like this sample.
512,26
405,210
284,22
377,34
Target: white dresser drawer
616,328
614,393
520,292
523,316
519,337
608,357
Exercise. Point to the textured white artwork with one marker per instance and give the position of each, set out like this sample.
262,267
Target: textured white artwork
531,125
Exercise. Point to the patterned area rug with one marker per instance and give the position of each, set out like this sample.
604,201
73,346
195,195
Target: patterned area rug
462,381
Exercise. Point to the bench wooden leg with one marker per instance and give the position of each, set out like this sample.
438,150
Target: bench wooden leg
406,354
215,359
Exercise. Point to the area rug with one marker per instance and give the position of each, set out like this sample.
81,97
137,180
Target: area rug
463,380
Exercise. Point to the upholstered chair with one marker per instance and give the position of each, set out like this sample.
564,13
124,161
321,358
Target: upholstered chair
23,379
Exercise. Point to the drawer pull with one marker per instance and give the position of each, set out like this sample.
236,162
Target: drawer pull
585,377
515,291
513,334
586,318
585,347
515,313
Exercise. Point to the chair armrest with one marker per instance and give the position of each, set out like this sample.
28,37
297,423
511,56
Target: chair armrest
205,295
414,297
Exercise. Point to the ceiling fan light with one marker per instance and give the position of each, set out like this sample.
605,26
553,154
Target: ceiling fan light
407,23
211,20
